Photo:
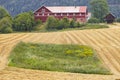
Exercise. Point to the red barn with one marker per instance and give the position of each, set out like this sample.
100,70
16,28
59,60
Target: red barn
80,13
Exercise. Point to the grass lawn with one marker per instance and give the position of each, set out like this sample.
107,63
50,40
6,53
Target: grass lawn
52,57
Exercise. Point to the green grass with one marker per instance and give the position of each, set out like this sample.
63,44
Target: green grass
82,27
51,57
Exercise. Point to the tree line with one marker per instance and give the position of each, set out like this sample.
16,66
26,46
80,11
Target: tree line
53,23
22,22
25,21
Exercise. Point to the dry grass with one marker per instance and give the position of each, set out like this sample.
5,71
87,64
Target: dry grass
105,41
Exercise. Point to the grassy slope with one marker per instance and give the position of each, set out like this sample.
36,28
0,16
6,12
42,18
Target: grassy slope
57,58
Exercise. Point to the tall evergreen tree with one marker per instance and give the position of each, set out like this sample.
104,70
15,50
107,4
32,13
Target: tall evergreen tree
99,9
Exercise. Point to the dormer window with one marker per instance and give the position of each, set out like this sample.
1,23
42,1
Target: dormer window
43,10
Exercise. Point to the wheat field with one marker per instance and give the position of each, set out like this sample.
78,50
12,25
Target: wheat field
106,42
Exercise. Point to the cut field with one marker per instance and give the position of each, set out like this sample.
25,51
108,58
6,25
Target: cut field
105,41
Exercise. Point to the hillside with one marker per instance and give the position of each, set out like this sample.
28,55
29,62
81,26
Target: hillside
105,41
18,6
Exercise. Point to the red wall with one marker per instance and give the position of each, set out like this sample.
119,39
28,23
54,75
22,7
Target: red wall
80,18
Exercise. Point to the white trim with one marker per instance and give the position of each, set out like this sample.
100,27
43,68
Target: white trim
43,14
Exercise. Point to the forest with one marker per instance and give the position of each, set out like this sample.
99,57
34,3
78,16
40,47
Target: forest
18,6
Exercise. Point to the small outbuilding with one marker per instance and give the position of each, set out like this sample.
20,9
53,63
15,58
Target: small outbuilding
109,18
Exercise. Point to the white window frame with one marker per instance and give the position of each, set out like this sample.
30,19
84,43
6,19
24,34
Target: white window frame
37,14
67,14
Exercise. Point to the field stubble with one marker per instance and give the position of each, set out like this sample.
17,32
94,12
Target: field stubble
105,41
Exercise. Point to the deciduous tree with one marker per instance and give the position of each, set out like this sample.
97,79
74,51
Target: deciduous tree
99,9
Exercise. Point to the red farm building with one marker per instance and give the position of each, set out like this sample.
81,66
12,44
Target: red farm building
80,13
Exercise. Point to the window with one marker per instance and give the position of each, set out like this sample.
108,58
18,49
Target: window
37,14
43,10
73,14
80,14
67,14
48,14
43,14
55,14
61,14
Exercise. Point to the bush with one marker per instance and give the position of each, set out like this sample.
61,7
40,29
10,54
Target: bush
54,24
93,20
7,30
72,23
24,22
37,25
6,25
51,23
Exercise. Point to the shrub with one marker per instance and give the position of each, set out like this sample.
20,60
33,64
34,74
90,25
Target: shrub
37,25
7,30
6,25
72,23
51,23
24,22
63,24
93,20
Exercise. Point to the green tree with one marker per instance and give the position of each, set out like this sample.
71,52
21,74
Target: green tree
77,24
99,9
51,23
93,20
24,22
3,13
63,23
72,23
66,23
6,25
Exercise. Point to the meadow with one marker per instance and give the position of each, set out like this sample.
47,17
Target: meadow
54,57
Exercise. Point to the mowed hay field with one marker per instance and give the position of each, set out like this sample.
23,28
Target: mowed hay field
105,41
